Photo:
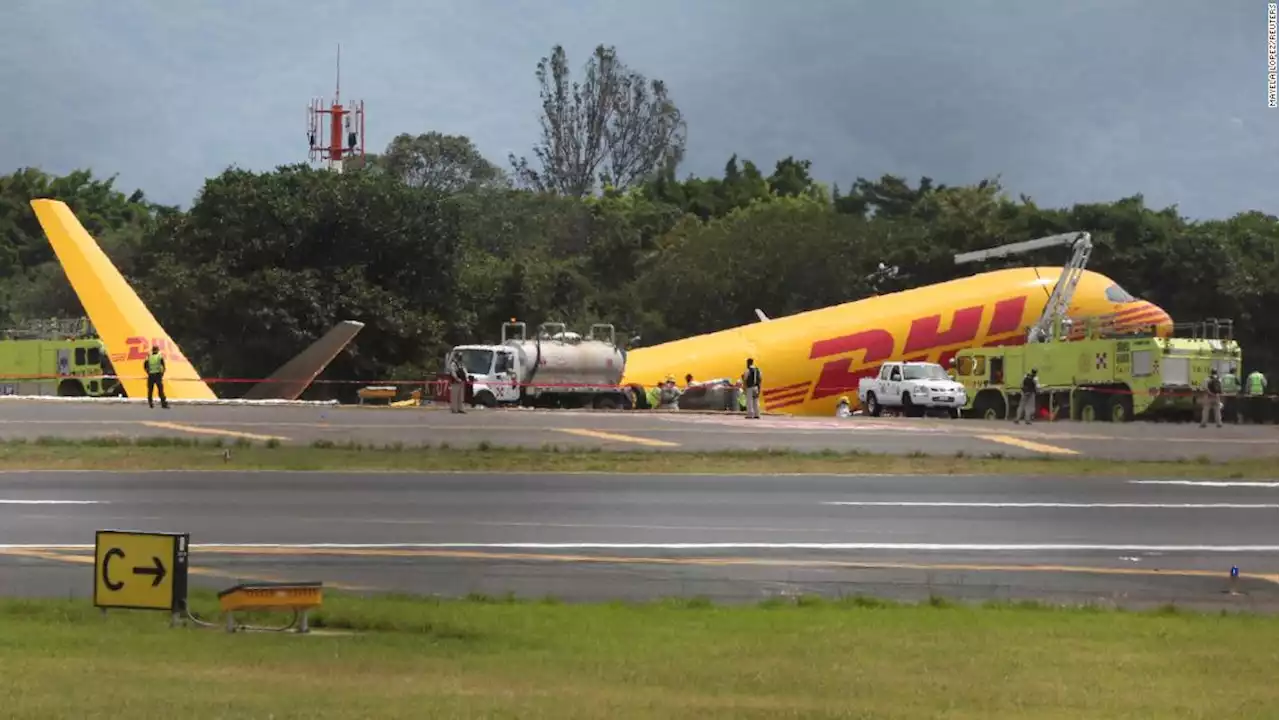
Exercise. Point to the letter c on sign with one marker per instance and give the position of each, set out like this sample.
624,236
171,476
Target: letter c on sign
106,565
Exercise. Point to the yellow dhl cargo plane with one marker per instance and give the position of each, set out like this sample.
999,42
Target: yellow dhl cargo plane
129,330
808,361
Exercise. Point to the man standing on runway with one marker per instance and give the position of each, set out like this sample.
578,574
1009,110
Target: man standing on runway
154,366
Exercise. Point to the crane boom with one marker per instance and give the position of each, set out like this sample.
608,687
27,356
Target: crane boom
1060,299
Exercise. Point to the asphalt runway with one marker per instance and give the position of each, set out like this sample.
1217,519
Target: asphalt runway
601,537
657,431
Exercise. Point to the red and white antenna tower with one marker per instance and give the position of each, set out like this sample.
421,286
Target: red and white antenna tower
346,127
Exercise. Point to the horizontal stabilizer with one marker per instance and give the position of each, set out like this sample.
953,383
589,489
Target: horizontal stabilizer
288,382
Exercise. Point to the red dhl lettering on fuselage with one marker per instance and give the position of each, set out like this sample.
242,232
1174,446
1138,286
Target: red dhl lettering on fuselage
840,374
140,348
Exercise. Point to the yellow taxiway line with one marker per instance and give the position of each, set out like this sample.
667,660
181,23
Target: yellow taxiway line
1028,445
67,556
618,438
210,431
704,561
209,572
681,429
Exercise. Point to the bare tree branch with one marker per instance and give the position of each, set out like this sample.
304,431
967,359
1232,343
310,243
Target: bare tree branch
616,119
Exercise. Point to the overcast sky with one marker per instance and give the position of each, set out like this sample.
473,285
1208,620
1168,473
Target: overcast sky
1089,100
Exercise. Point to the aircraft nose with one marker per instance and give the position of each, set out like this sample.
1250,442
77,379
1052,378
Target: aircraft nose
1142,314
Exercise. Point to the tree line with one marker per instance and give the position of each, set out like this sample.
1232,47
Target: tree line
431,244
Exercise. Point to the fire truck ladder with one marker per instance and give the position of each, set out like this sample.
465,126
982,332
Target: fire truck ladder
1055,309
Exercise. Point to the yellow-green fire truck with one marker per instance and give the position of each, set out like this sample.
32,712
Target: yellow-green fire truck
56,357
1104,375
1101,377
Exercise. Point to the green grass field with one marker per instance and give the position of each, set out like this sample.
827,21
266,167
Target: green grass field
400,657
162,453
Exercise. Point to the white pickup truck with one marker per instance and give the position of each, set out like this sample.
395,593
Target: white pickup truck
915,387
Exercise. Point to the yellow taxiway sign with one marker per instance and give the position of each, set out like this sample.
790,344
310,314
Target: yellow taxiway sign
140,570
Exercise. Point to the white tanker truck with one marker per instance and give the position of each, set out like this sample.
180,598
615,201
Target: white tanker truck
555,368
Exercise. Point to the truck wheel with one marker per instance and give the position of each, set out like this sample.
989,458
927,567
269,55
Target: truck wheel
988,406
642,398
873,405
606,402
70,388
954,413
485,399
1089,408
908,409
1120,408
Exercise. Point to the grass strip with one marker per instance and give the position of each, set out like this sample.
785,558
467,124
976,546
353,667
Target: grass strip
416,658
168,453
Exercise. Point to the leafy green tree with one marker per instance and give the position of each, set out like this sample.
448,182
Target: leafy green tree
710,197
890,196
783,256
32,283
263,264
438,162
430,247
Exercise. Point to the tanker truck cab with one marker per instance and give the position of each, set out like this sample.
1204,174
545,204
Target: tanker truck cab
492,372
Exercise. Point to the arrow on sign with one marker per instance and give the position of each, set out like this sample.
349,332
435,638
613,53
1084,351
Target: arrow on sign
157,572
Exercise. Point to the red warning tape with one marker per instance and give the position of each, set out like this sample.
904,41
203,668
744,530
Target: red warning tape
445,382
173,379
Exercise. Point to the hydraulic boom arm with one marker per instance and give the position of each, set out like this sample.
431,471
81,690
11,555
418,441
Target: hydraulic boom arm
1060,299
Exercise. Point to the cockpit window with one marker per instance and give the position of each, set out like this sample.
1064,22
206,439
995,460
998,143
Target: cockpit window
1117,294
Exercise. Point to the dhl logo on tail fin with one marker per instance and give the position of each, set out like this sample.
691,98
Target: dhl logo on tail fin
123,322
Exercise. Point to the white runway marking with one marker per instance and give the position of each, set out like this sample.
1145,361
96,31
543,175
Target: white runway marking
923,547
582,526
1207,483
1165,506
800,425
3,501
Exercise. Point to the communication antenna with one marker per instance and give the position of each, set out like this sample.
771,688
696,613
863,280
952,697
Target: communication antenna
345,126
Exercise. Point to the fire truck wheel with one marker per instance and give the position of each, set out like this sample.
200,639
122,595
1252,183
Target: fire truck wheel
989,406
1089,408
1120,408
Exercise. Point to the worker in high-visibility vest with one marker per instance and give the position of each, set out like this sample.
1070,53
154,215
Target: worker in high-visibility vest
669,395
1255,386
154,366
1231,394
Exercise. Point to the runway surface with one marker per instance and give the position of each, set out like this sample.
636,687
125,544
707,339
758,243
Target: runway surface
730,538
656,431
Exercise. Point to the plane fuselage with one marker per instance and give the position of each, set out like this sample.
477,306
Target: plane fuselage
812,359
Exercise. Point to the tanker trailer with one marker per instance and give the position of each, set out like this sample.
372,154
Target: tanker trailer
555,368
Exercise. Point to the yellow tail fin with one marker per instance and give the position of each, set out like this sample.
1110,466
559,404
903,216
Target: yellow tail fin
123,322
